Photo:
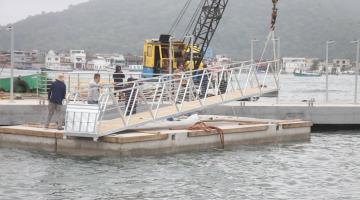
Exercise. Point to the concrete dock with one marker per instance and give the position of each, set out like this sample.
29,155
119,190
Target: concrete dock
237,131
22,112
318,113
30,111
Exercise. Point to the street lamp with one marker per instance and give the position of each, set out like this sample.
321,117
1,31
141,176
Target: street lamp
328,43
276,47
252,49
170,54
357,42
191,38
276,52
10,28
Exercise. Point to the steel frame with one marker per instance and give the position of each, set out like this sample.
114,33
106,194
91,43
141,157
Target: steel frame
176,89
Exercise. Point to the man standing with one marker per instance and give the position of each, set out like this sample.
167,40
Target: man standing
56,95
94,90
118,77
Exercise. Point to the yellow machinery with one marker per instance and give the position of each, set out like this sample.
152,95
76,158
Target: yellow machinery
157,56
202,28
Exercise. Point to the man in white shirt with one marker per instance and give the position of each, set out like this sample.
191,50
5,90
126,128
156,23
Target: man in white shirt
94,90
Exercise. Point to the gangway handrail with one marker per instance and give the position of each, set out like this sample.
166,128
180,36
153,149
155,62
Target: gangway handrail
176,94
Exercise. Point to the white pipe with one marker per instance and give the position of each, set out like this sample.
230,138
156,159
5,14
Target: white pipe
11,29
327,70
357,42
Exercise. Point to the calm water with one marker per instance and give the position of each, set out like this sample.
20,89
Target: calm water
325,168
328,167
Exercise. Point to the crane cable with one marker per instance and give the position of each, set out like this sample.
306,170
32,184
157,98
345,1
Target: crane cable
193,18
272,27
179,17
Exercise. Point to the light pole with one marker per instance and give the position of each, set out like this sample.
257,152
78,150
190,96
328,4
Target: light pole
277,65
252,49
252,58
191,37
329,42
10,28
357,42
170,54
276,56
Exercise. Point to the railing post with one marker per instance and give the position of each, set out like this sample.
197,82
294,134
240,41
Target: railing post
248,77
156,91
133,99
161,96
128,103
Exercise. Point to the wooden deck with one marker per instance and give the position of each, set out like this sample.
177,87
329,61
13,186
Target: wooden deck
25,130
116,125
229,125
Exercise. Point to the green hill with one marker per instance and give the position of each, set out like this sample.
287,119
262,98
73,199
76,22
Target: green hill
122,25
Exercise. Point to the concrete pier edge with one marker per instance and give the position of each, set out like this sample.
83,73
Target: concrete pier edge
176,142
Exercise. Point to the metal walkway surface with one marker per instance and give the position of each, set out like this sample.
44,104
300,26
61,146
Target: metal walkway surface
154,99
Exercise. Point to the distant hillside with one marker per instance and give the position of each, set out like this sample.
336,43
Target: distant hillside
122,25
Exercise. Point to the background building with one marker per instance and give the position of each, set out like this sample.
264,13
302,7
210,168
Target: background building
78,58
52,60
342,64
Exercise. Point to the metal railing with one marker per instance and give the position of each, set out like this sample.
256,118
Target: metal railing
169,95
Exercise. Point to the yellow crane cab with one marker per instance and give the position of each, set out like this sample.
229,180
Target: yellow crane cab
156,56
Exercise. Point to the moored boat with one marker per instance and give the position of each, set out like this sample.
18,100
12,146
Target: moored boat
307,73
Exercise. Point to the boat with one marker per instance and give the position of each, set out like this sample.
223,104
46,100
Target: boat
60,68
29,83
302,73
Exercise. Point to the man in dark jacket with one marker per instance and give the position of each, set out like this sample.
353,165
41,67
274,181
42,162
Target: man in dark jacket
118,77
56,95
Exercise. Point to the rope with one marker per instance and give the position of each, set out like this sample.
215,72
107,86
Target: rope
204,127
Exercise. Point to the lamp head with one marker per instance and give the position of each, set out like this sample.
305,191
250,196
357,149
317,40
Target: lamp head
9,27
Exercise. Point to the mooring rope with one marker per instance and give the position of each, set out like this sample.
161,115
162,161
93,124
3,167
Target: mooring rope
202,126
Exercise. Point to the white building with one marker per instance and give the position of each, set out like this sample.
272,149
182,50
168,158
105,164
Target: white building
113,60
98,64
78,58
290,64
342,64
52,60
118,60
221,59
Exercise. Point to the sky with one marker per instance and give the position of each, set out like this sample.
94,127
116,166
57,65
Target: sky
15,10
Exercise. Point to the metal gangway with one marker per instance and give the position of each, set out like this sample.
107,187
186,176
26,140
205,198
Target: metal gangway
150,100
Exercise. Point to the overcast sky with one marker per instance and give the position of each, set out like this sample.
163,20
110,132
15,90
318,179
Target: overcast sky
15,10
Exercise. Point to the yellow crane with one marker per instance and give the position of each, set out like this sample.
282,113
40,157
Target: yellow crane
167,54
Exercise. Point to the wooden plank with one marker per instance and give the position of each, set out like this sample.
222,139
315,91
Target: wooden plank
30,131
134,138
239,129
300,124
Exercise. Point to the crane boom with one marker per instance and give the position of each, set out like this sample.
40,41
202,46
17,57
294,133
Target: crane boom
206,25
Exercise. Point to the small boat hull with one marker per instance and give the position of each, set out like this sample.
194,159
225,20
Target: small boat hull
307,74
